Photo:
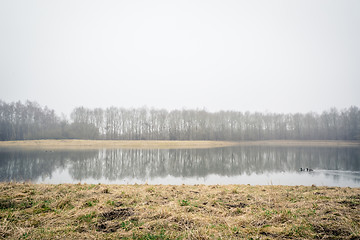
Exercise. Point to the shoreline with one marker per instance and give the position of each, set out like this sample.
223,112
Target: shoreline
158,144
89,211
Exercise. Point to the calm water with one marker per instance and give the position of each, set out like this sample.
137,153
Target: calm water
232,165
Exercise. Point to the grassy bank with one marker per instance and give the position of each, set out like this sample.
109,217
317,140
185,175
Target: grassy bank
76,144
36,211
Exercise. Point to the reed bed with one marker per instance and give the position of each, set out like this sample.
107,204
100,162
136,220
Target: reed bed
151,144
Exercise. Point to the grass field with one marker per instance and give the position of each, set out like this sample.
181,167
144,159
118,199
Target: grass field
80,211
75,143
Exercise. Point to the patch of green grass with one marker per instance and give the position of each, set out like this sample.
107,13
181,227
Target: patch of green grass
43,207
269,213
196,204
65,204
87,217
151,236
298,231
291,214
28,203
184,203
223,226
25,236
91,203
125,225
239,211
293,200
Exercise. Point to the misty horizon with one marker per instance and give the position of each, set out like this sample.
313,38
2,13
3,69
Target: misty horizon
43,106
32,121
257,56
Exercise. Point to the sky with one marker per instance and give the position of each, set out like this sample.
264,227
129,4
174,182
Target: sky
269,56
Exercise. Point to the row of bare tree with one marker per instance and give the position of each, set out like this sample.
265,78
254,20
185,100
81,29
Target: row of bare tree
29,120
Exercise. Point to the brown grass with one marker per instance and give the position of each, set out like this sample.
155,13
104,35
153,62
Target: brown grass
76,144
80,211
315,143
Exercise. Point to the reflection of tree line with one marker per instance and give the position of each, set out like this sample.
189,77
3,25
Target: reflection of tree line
29,165
144,164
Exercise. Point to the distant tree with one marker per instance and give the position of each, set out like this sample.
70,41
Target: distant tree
29,120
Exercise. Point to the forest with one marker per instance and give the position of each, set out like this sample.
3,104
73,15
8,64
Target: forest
29,120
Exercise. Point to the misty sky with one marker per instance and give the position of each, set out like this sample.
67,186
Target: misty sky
276,56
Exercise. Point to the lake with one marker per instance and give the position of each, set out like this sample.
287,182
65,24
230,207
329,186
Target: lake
255,165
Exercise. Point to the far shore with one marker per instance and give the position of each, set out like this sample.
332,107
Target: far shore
165,144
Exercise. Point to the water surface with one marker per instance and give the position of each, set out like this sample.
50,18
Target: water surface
254,165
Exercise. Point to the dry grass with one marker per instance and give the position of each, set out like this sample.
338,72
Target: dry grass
314,143
65,211
76,144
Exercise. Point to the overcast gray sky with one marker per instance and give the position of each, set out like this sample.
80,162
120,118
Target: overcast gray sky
276,56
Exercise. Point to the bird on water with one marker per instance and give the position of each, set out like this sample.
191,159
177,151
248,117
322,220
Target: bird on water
306,170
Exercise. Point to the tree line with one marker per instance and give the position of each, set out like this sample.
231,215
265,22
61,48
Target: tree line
29,120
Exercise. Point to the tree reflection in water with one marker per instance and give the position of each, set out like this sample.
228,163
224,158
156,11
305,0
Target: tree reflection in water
143,164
